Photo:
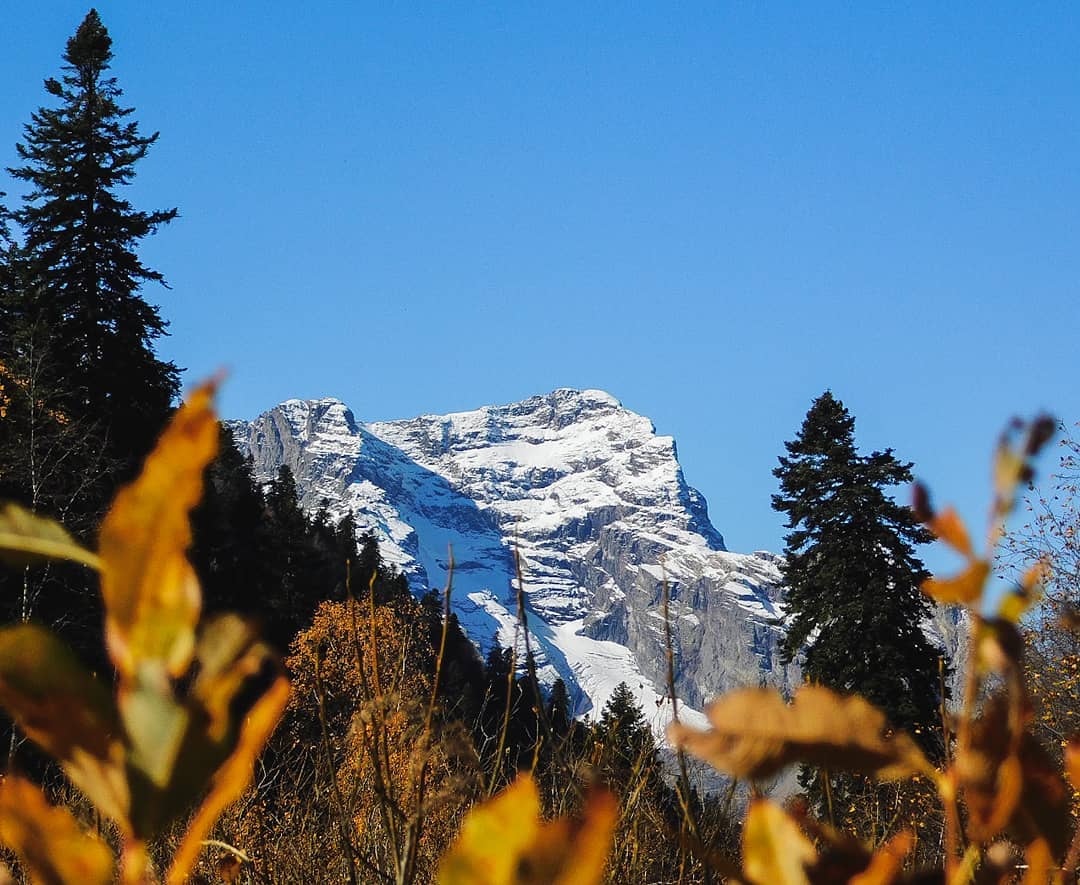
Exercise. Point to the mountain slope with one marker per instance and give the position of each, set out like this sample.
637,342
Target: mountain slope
597,508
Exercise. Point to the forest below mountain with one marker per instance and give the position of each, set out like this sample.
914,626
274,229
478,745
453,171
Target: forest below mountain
209,682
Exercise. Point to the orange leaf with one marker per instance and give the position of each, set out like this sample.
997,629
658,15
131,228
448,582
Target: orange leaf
992,789
887,861
949,527
965,588
232,778
229,653
1040,865
775,850
152,599
756,733
1072,762
48,840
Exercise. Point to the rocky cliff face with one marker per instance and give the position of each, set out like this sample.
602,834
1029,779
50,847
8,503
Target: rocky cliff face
597,509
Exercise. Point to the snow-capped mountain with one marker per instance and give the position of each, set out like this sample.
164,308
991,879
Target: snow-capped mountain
594,503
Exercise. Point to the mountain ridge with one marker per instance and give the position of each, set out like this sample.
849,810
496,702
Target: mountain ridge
597,507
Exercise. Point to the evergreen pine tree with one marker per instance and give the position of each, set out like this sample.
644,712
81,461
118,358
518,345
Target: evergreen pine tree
85,396
628,746
81,275
559,709
854,607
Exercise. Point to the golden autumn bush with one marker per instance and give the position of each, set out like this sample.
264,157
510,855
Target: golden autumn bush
391,787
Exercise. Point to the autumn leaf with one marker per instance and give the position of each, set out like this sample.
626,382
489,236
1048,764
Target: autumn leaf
505,842
999,646
48,840
1040,865
1072,762
229,653
887,862
152,598
775,850
25,536
949,527
1026,593
66,712
992,790
962,589
1009,782
755,734
1010,467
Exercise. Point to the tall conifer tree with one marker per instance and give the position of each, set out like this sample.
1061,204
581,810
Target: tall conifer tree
85,394
81,273
855,610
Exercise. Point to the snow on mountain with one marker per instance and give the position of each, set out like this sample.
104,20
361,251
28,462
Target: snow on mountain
594,503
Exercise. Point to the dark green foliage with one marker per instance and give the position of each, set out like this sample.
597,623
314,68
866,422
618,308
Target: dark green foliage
461,682
81,271
559,709
230,533
627,746
855,610
84,395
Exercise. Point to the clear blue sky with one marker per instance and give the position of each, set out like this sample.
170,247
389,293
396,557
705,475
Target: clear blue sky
713,211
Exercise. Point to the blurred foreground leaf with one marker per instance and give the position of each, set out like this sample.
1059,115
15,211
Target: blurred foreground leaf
152,597
66,712
888,861
231,779
189,717
755,734
27,537
48,840
505,842
965,588
775,850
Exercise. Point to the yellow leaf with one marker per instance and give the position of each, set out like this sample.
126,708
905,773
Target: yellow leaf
887,861
775,850
949,527
232,778
592,841
48,840
1028,592
755,734
504,842
493,837
27,536
1040,865
66,712
151,596
1009,468
965,588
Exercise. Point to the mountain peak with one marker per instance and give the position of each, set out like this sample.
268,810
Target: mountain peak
591,499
